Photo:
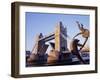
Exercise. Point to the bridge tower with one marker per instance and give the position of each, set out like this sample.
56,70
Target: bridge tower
40,47
60,37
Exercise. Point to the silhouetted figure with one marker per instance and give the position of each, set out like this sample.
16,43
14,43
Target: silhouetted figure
74,49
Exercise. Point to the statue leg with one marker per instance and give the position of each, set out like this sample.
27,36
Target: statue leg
80,58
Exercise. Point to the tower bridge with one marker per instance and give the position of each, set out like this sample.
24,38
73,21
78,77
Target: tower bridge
59,36
60,44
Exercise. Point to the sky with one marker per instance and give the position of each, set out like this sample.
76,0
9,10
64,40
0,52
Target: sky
45,23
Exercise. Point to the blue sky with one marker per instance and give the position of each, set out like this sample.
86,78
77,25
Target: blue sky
45,23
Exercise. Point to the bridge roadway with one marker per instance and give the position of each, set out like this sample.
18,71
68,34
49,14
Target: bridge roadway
48,37
52,36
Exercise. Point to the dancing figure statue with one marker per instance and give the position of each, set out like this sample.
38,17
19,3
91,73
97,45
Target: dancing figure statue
75,42
84,32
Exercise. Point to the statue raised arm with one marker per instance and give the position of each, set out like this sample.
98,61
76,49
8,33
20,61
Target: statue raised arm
84,32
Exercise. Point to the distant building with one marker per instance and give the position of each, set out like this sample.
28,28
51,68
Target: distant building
28,53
